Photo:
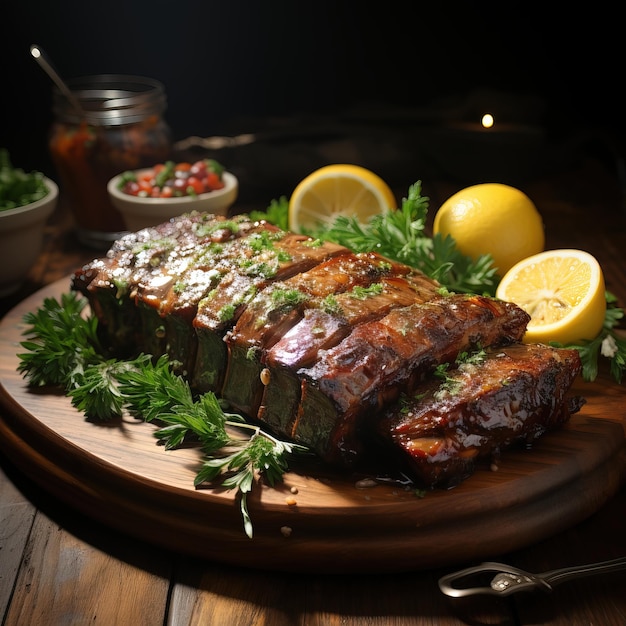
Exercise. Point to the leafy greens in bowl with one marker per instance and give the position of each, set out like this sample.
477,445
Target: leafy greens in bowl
17,187
26,203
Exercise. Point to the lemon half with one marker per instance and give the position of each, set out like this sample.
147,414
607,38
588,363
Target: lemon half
563,291
339,189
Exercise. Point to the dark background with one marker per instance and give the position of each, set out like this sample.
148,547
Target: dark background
242,66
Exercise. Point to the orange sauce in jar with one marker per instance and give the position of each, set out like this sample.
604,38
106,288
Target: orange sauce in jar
121,127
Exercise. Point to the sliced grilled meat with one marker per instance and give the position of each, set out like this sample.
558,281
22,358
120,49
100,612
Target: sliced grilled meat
134,277
502,396
381,359
280,306
308,337
322,327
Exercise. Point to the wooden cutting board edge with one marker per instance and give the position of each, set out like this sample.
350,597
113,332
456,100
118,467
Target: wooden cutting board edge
445,528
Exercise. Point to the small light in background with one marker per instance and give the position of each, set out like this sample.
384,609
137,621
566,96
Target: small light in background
487,120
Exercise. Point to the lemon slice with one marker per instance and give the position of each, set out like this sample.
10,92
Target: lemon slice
335,190
562,291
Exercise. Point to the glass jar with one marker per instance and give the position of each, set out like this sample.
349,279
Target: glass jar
119,127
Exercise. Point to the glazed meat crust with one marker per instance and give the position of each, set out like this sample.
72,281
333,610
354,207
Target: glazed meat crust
514,394
321,344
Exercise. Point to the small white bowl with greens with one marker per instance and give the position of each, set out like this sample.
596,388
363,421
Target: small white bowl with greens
27,199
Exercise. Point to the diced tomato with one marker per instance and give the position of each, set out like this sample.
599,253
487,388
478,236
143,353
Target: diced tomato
213,182
145,185
196,184
166,180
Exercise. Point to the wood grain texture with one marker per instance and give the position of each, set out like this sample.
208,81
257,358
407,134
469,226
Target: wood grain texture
207,593
116,473
16,519
202,592
70,582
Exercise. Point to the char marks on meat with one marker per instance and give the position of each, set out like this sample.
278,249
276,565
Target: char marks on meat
319,343
380,359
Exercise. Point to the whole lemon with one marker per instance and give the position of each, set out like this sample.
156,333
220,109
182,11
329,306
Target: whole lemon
492,218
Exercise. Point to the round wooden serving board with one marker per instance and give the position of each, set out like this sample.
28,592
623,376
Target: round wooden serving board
116,473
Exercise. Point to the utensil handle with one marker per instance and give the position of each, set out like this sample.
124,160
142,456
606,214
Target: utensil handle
40,57
558,576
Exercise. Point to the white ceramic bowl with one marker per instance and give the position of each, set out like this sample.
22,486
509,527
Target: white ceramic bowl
141,212
21,238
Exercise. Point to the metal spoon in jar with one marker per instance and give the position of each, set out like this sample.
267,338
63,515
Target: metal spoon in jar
40,57
506,579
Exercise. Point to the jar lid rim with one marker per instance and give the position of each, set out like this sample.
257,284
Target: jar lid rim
111,99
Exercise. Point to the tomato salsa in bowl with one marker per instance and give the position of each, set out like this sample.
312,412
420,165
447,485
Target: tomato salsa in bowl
151,196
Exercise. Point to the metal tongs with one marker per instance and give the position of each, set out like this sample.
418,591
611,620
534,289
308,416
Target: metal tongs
507,579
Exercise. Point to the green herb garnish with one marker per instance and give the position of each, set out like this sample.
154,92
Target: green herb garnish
17,187
165,174
607,344
63,349
451,383
331,305
233,450
277,213
361,293
61,343
400,235
288,298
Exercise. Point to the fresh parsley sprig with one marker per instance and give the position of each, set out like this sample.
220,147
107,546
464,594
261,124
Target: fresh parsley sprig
277,213
95,390
607,344
401,235
261,453
61,343
234,450
63,349
166,390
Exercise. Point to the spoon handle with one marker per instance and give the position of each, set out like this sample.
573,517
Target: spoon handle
40,57
564,574
509,579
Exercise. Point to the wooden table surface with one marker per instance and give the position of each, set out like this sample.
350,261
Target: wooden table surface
59,567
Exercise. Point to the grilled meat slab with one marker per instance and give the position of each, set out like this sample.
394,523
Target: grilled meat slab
128,288
321,329
381,359
510,394
308,337
281,306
